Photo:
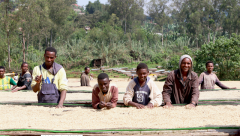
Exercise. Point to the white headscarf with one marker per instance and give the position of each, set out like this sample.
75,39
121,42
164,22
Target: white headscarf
180,61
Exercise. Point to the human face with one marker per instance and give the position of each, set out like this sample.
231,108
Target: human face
49,58
2,71
210,67
104,84
24,68
142,74
186,64
87,71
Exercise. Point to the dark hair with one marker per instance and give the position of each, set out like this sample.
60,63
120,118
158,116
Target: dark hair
142,66
209,62
86,68
2,67
51,49
24,63
103,76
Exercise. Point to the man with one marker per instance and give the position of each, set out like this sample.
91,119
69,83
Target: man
181,85
25,79
84,77
142,92
5,81
104,94
50,80
208,79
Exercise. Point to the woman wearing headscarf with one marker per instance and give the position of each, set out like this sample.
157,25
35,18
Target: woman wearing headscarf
181,85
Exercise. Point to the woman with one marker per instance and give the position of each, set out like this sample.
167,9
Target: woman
181,85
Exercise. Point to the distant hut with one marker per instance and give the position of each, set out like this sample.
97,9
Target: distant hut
97,62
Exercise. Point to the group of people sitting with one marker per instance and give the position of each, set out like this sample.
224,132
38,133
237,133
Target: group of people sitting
50,82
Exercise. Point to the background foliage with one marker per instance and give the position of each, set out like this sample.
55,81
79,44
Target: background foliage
121,33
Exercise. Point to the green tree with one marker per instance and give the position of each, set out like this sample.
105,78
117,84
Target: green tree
224,52
8,26
158,10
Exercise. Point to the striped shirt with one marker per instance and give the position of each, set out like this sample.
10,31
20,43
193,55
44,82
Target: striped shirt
6,82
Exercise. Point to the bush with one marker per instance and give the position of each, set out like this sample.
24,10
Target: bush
224,52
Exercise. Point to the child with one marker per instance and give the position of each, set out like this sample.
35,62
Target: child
142,91
208,79
104,94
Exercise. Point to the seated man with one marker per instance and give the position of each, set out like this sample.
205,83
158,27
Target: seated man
208,79
142,91
50,80
5,81
84,77
104,94
25,79
181,85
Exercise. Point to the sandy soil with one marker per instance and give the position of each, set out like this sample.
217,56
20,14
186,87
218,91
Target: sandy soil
87,118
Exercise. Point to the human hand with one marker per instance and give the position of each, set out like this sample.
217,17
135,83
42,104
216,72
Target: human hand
150,106
191,105
139,106
109,105
60,106
7,89
168,105
15,90
102,104
38,79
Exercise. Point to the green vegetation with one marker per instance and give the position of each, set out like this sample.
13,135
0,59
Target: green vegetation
121,34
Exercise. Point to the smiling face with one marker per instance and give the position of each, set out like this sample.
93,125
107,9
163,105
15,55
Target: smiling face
49,58
142,74
186,65
104,84
2,71
210,67
24,67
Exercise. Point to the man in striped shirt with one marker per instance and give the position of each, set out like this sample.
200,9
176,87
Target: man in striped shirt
5,81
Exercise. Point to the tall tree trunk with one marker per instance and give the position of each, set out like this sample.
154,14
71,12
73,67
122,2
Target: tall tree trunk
208,36
9,57
46,41
9,63
40,40
51,38
162,35
197,43
23,46
125,25
27,48
214,36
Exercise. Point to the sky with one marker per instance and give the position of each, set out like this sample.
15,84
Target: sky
85,2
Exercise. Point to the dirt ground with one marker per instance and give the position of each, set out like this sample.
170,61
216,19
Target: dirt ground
70,118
